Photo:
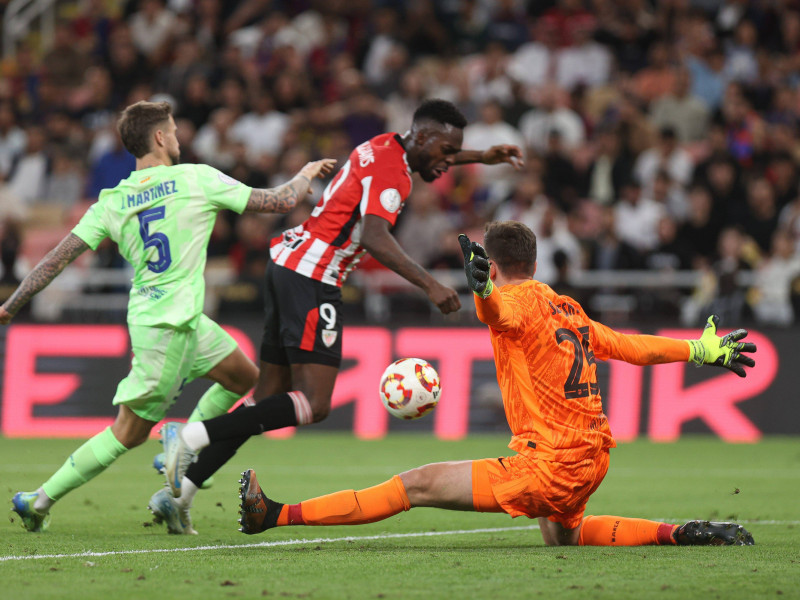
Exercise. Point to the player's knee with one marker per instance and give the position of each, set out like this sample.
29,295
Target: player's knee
320,409
245,382
417,483
131,439
246,379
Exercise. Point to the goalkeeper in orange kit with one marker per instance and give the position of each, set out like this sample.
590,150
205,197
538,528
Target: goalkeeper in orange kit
545,348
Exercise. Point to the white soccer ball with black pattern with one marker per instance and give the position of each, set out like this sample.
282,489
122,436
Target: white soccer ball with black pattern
410,388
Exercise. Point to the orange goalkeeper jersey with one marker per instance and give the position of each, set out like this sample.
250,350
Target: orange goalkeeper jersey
545,349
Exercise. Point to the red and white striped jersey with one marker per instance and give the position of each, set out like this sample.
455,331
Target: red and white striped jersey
375,180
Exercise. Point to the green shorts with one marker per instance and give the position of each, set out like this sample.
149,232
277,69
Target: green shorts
166,359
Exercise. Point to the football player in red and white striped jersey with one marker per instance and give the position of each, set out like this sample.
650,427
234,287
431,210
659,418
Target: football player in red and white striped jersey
302,346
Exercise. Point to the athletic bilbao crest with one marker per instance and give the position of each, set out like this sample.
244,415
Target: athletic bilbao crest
329,337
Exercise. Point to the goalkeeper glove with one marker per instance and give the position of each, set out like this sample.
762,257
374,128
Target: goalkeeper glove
711,349
476,265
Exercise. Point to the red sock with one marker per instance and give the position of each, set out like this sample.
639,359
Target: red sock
621,531
349,507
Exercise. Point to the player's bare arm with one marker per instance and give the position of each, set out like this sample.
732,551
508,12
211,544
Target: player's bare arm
380,243
504,153
70,248
283,198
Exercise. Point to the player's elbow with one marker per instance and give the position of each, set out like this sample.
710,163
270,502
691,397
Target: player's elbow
368,239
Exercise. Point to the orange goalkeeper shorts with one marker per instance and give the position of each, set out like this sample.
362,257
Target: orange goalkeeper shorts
524,485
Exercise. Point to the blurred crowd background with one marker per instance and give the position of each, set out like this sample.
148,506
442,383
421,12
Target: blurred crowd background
661,138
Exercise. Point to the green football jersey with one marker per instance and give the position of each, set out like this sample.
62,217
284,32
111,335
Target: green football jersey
161,218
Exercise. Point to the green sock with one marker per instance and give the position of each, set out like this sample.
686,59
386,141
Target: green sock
215,402
86,462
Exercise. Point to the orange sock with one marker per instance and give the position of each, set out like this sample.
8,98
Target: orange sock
349,507
621,531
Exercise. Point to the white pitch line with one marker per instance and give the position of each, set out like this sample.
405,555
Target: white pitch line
388,536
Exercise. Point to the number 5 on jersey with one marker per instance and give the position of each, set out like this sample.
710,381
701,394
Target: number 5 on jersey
159,241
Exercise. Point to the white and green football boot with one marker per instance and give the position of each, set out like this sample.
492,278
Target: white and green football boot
166,509
159,465
177,456
32,519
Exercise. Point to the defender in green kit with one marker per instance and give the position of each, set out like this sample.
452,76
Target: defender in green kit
161,218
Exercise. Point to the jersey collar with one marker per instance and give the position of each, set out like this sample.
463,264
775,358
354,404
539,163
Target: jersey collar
399,140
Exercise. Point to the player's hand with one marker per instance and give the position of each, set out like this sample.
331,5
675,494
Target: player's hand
5,316
476,266
505,153
445,298
724,351
317,168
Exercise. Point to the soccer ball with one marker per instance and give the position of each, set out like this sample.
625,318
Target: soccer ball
410,388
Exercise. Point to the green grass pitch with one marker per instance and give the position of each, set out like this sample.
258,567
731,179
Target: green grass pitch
424,553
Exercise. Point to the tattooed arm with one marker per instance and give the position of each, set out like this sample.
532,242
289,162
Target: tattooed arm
285,197
70,248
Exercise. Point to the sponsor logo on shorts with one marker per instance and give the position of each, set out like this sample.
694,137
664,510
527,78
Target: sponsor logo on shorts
152,292
390,200
329,337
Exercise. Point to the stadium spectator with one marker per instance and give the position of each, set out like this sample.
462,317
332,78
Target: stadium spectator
64,185
699,232
126,65
740,54
29,173
774,277
609,169
527,203
152,29
186,64
383,40
553,236
561,181
584,61
552,114
534,62
488,81
12,139
214,142
341,69
668,155
672,196
657,79
110,167
681,111
262,129
607,251
423,226
760,215
708,76
637,217
491,130
670,254
64,62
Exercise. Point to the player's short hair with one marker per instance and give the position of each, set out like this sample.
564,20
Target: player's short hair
441,111
137,122
511,245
